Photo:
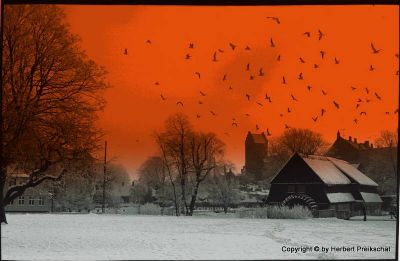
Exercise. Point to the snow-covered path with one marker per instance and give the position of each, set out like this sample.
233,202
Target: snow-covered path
103,237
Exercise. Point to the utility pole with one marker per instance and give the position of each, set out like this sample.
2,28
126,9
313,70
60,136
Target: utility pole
104,177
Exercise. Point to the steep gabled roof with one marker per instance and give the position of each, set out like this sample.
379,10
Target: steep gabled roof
326,171
353,172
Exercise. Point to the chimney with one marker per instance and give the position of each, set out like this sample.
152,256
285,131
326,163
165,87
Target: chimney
349,138
372,146
355,140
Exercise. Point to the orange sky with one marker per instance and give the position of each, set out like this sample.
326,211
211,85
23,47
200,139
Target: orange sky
135,109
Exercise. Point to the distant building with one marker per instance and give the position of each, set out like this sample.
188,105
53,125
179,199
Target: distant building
32,200
256,153
328,186
379,164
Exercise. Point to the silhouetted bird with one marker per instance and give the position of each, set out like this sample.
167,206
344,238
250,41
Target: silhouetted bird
214,57
374,50
293,98
148,41
353,88
213,113
322,112
179,103
220,50
259,103
283,80
248,115
302,60
320,34
247,48
200,102
336,104
336,61
358,105
257,128
260,72
359,100
191,45
157,83
363,113
198,74
288,110
316,66
371,68
268,133
355,121
251,77
396,111
268,97
162,97
287,126
234,124
224,78
248,67
126,51
367,90
324,92
276,19
230,88
300,76
309,87
272,44
387,113
322,54
315,119
232,46
202,93
377,96
198,116
281,114
278,58
187,57
308,34
248,97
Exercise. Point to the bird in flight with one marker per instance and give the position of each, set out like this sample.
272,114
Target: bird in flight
191,45
316,66
198,116
309,87
272,44
126,51
302,60
198,74
162,97
224,78
234,124
315,119
248,97
371,68
261,72
336,61
248,67
200,102
367,90
300,76
322,112
259,103
353,88
247,48
278,58
287,126
213,113
157,83
293,98
387,113
358,105
248,115
355,121
396,111
268,97
202,93
220,50
276,19
148,41
363,113
308,34
232,46
187,57
322,54
320,34
288,110
257,128
377,96
268,133
230,88
359,100
251,77
336,104
283,80
179,103
214,57
374,50
324,92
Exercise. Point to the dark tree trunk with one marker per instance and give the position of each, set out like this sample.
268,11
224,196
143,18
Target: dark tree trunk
3,218
193,200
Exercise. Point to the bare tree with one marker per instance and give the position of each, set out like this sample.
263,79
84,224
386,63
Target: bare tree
302,141
205,151
387,139
224,190
51,93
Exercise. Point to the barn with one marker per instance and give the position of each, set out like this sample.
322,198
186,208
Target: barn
328,186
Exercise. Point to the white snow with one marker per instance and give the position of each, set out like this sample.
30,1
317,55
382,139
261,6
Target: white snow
353,172
103,237
371,197
327,171
340,197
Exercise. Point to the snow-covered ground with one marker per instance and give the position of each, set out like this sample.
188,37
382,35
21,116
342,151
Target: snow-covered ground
102,237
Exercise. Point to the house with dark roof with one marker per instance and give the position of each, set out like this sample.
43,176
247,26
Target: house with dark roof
256,153
326,185
378,163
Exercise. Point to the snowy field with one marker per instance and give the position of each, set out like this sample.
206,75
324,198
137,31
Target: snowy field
103,237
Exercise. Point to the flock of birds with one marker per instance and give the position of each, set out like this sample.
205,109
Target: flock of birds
268,99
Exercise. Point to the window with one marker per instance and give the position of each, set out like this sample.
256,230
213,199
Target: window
12,202
291,188
21,200
31,201
41,201
301,189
